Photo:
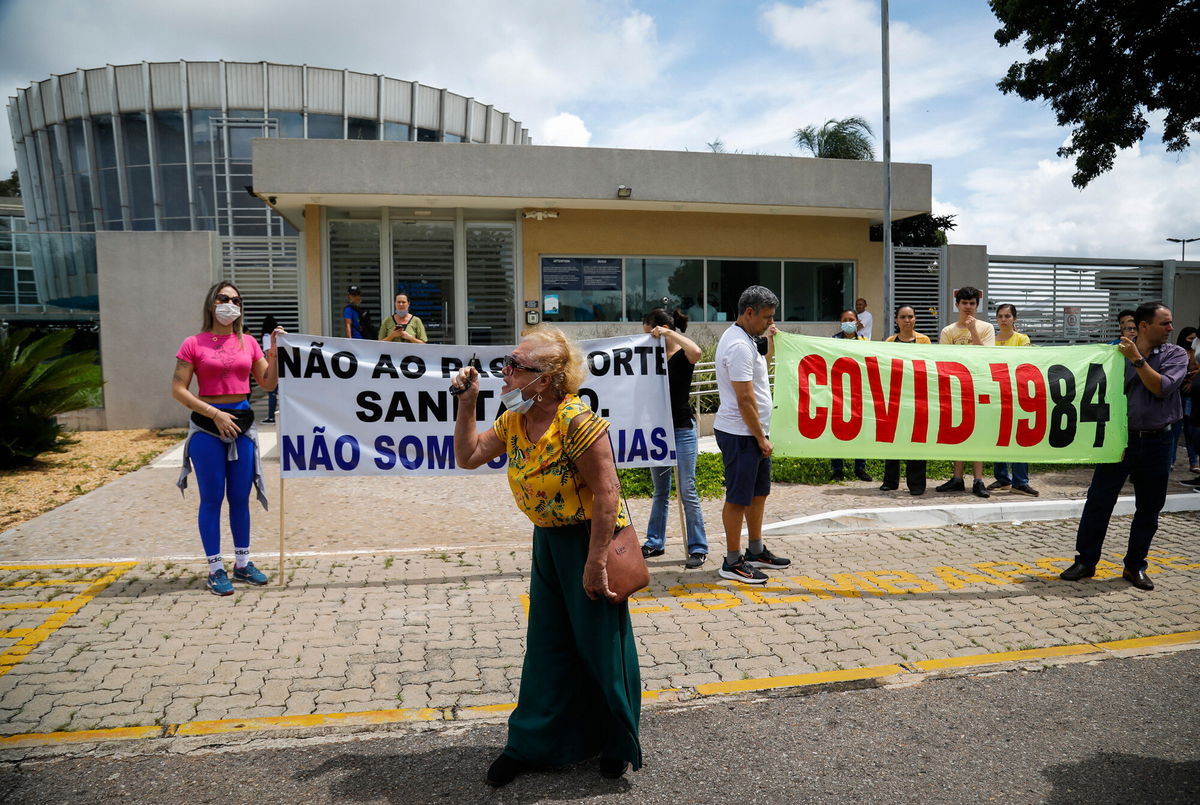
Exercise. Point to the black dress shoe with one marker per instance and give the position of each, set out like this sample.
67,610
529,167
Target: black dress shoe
920,490
504,770
888,488
612,768
1138,578
1078,571
862,476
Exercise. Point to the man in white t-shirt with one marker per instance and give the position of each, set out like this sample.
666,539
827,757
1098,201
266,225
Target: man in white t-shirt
968,330
865,319
741,425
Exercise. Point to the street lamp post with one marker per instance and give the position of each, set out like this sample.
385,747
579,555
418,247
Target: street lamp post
1183,242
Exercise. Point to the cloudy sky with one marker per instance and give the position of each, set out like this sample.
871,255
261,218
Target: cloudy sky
676,74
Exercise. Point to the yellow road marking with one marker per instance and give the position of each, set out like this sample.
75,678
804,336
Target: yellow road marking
65,609
1005,656
797,680
67,565
1149,642
45,583
19,632
67,737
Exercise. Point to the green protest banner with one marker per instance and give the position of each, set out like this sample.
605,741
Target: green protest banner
868,399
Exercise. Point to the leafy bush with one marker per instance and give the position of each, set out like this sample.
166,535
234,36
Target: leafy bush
35,385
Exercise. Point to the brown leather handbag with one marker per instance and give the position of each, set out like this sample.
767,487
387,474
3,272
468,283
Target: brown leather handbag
626,567
627,571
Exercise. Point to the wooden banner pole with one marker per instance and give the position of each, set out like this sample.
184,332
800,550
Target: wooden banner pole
682,518
282,567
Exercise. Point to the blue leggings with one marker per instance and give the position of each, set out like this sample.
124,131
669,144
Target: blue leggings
218,479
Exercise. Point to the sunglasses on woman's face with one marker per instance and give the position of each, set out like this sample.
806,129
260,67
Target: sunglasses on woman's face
224,298
510,362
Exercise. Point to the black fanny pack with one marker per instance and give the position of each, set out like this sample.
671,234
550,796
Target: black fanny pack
242,417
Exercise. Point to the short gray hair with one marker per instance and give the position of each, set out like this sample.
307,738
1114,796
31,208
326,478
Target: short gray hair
757,297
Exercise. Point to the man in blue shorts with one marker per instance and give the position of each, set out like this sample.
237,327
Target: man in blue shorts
741,425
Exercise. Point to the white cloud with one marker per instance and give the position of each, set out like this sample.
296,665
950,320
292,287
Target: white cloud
564,129
1128,212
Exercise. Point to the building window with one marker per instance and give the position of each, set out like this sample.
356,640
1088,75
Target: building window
578,289
427,135
360,128
817,291
325,127
397,132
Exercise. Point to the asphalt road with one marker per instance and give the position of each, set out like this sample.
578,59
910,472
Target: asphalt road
1115,731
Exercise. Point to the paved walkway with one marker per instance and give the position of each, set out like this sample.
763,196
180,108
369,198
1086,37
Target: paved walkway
395,629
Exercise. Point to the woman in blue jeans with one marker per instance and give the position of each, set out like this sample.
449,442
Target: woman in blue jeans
682,354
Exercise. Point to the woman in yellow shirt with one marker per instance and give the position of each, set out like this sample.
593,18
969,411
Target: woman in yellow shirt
1006,317
580,685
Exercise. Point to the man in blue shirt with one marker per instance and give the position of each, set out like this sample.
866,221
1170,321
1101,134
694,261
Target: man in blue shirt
1154,373
351,316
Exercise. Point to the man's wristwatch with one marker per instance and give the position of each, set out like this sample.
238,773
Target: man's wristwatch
1139,363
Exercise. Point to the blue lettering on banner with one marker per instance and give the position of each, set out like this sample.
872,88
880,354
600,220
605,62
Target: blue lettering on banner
343,461
385,454
633,445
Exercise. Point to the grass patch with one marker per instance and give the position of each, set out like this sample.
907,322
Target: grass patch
710,473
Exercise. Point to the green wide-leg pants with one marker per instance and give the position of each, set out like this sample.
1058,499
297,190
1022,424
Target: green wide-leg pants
581,691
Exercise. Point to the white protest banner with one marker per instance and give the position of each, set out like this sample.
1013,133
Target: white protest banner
354,407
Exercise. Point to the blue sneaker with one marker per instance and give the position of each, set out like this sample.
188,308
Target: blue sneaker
250,574
219,583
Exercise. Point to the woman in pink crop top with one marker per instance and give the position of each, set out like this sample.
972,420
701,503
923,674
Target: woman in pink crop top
222,442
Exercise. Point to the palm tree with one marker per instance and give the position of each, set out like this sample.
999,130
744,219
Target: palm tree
849,138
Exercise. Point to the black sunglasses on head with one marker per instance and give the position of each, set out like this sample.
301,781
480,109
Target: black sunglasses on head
224,298
510,362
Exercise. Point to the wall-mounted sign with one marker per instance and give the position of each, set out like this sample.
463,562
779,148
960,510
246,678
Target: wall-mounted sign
581,274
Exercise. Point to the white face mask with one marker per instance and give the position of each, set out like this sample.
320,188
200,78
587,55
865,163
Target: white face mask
227,312
849,327
513,401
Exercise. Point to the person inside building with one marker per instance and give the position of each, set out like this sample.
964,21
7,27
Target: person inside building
914,470
354,315
1018,481
580,686
682,354
848,327
402,325
222,443
967,331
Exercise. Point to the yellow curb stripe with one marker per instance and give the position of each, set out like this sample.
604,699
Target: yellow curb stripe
50,738
369,717
491,708
19,632
797,680
1149,642
1005,656
228,725
18,585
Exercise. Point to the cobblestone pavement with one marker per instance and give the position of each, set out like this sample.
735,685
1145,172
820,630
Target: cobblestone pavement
136,644
142,515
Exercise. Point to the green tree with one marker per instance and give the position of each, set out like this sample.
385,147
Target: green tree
1102,65
11,186
35,385
917,230
849,138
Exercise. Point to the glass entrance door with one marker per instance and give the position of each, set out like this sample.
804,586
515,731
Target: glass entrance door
423,268
491,283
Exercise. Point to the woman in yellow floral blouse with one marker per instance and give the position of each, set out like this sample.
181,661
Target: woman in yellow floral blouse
580,685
